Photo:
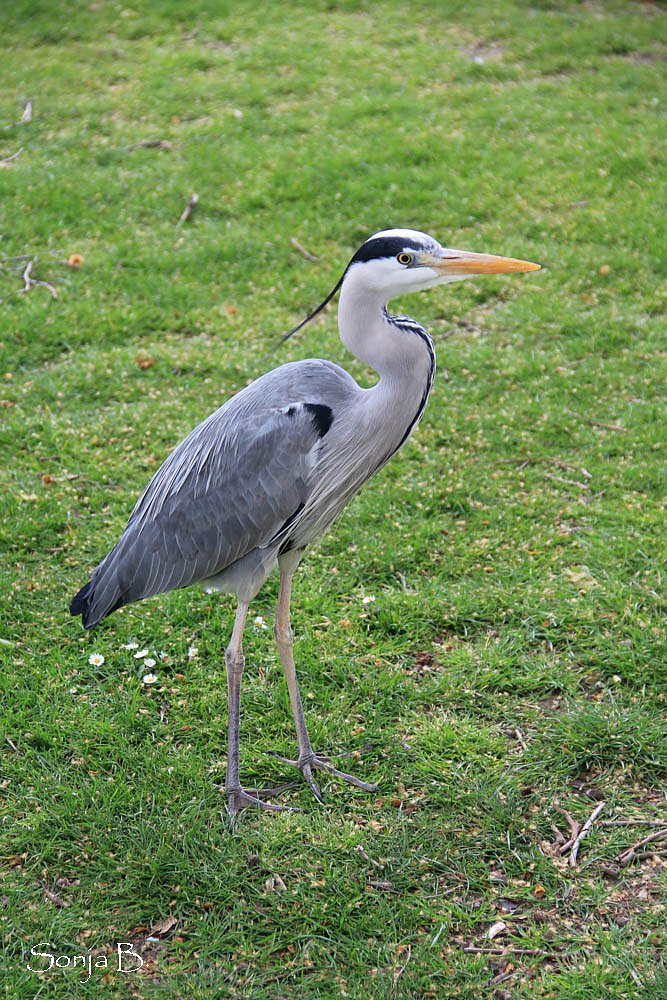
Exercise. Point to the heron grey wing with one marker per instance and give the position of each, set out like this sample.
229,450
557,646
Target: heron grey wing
211,502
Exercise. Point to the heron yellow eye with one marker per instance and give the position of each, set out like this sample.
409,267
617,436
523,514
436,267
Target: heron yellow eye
404,258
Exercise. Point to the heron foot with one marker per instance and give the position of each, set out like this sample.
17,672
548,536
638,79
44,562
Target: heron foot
307,763
243,798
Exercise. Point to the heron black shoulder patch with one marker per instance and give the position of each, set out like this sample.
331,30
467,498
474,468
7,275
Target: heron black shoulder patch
322,417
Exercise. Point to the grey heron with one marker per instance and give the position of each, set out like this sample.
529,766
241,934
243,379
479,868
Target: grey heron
270,471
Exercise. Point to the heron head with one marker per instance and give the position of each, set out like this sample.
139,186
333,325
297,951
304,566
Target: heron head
398,261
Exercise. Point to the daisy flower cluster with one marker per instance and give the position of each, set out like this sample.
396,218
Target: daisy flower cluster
147,661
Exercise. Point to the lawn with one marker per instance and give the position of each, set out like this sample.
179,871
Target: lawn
483,628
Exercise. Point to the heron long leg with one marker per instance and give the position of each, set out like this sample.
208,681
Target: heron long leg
308,761
237,796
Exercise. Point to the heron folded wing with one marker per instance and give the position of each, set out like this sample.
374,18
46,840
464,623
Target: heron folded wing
216,497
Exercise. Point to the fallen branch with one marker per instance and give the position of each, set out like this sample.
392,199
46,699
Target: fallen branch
607,427
9,159
632,822
30,282
472,949
585,830
26,275
18,256
502,977
148,144
191,205
560,839
567,482
625,857
302,250
574,830
361,850
597,423
537,459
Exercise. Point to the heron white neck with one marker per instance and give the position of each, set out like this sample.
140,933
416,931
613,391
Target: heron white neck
366,331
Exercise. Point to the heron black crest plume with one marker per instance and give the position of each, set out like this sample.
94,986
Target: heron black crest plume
314,313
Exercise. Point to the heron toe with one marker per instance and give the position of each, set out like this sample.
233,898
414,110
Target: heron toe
317,762
241,798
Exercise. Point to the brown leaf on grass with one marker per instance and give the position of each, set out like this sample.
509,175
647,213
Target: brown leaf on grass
552,850
144,361
274,883
54,898
580,577
75,261
162,927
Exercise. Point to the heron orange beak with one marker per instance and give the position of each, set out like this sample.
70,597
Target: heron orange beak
460,262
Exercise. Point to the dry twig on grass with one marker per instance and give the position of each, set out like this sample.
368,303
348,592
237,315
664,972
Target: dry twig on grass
398,972
567,482
626,856
574,830
633,822
472,949
577,832
302,250
584,832
543,459
191,205
151,144
29,282
597,423
10,159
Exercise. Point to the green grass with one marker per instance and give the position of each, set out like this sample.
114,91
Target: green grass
513,548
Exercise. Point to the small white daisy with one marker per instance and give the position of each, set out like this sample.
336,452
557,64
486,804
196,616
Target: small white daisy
131,645
96,659
192,652
142,654
368,599
149,662
149,679
259,622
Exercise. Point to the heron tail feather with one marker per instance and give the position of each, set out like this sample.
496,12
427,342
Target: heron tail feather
86,603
